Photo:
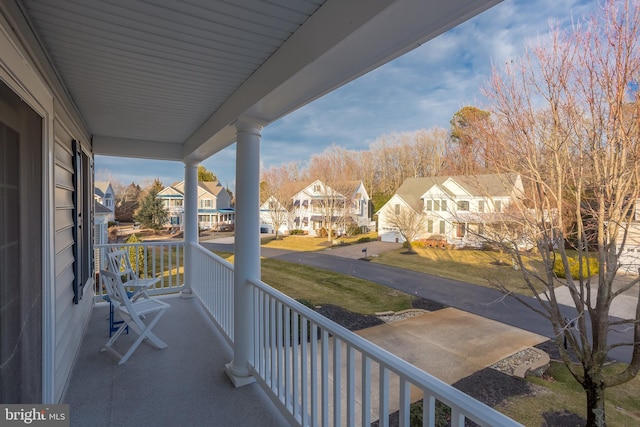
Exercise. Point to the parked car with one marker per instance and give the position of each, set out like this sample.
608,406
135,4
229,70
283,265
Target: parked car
225,227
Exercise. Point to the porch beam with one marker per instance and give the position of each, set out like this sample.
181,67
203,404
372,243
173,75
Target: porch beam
190,223
136,148
247,248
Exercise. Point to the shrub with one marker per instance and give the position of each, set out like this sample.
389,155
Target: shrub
136,255
364,240
353,230
296,231
113,234
589,266
325,233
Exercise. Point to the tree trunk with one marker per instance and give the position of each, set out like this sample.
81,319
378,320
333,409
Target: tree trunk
595,402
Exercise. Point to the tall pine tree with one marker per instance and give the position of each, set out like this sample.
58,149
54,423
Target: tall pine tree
151,213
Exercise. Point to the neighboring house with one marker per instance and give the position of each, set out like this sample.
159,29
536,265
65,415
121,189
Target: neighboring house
104,211
102,216
316,203
214,204
312,205
457,209
630,256
273,211
103,194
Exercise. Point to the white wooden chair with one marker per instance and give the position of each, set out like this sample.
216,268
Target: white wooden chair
132,313
119,263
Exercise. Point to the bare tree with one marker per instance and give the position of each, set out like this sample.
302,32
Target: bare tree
399,156
566,117
407,217
127,201
329,168
277,193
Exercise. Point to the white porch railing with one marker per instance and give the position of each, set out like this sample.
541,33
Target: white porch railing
213,284
150,259
323,374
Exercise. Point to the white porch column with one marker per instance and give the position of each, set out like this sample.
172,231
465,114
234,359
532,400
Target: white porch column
190,218
247,247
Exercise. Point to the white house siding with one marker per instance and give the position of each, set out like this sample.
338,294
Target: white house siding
386,231
71,318
63,321
630,257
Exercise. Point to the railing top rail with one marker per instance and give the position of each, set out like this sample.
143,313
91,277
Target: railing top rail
443,391
146,243
208,253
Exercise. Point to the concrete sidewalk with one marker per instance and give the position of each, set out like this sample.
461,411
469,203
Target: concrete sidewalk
623,306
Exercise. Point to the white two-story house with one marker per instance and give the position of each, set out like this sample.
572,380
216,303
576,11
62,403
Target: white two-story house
455,209
316,204
214,204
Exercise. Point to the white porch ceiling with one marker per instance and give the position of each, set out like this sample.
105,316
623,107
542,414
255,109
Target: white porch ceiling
167,79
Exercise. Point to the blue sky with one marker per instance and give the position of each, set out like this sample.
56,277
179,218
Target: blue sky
419,90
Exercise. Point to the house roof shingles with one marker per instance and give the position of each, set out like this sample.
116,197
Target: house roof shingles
490,185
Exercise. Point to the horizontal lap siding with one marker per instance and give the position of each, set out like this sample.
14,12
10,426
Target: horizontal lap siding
70,318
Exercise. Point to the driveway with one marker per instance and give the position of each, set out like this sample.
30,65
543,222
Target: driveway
450,344
357,251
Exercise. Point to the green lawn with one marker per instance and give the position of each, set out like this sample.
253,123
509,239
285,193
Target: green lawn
467,265
326,287
311,243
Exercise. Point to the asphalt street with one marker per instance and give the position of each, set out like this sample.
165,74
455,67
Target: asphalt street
483,301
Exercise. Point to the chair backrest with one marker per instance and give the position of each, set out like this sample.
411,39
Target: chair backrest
119,263
113,284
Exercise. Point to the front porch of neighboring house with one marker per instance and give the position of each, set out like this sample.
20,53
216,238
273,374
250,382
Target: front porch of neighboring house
335,378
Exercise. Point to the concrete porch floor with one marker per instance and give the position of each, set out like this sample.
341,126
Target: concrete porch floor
183,385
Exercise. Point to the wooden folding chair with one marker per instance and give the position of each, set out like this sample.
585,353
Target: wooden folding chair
132,313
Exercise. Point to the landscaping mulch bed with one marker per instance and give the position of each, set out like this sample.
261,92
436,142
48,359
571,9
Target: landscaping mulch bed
356,321
348,319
